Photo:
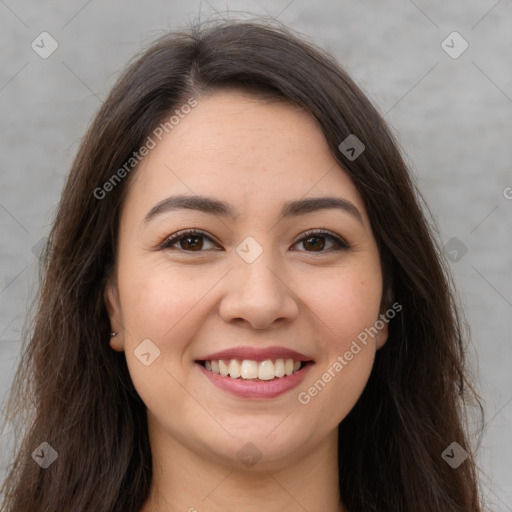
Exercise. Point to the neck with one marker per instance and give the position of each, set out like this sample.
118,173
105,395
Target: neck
184,480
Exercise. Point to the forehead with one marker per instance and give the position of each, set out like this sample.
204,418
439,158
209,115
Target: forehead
245,150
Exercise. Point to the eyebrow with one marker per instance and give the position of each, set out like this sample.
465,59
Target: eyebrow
221,208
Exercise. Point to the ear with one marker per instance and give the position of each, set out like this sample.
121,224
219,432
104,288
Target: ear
382,335
111,298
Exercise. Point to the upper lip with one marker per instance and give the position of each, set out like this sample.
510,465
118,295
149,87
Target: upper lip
257,354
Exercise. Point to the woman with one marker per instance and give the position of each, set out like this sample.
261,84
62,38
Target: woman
243,304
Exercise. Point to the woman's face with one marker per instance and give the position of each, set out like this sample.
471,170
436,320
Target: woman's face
260,281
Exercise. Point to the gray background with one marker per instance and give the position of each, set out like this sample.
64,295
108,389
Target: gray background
452,117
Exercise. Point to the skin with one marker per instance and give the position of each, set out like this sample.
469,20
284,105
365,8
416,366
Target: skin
255,155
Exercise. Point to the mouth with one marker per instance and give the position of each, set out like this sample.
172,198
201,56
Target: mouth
255,373
252,370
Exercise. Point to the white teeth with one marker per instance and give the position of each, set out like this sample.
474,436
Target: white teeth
234,369
266,370
279,368
223,368
249,369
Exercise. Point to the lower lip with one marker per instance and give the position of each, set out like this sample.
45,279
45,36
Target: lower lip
257,388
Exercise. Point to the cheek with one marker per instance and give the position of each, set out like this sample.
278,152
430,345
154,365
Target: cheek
163,304
158,306
159,300
347,304
328,398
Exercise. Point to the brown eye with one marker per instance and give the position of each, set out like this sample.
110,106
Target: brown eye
315,243
189,241
321,242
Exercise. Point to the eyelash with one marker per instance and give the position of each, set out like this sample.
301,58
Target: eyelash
340,243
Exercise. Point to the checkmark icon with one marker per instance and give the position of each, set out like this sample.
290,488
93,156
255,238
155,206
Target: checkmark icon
249,250
44,45
454,455
351,147
454,45
455,249
44,455
146,352
249,455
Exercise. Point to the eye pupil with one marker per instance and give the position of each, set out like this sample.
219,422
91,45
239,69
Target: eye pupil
191,245
317,246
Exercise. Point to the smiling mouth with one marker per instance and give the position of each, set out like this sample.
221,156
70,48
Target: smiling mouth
248,369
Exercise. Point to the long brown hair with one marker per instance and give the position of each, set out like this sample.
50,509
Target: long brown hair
74,392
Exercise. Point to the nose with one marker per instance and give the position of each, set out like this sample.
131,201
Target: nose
258,294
